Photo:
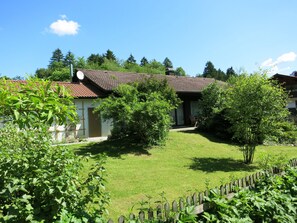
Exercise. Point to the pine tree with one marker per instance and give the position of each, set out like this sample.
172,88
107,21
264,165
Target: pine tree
167,63
110,55
131,59
69,59
209,70
96,59
230,73
57,56
143,61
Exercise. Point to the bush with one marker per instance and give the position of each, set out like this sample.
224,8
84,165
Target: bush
39,182
273,199
141,110
286,134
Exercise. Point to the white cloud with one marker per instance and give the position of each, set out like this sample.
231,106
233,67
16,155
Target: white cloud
286,57
63,27
267,63
273,66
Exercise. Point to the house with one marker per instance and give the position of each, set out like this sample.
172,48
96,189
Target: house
101,83
89,85
290,84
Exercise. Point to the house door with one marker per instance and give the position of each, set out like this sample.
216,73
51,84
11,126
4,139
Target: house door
94,123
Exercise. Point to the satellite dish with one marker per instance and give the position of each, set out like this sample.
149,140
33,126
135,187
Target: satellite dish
80,75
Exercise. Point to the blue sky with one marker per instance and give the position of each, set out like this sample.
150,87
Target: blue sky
245,34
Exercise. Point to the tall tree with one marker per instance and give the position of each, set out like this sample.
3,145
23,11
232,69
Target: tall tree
209,70
96,59
256,106
167,63
220,75
210,105
131,59
110,55
81,62
143,62
42,73
69,59
57,56
230,73
180,72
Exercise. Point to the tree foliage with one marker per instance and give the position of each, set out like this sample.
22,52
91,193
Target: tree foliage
167,63
69,59
211,72
272,199
110,55
248,110
57,56
58,68
230,73
131,59
180,71
255,106
35,102
209,105
40,182
95,59
143,61
59,65
140,110
211,114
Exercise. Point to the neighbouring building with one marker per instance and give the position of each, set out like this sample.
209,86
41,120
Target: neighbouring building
103,82
290,84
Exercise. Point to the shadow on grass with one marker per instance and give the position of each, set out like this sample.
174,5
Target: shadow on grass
211,137
113,148
219,164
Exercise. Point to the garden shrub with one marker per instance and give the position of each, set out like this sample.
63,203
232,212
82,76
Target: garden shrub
140,110
273,199
30,103
286,134
40,182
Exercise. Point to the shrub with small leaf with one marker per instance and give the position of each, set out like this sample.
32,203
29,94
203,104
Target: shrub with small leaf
141,110
39,182
273,199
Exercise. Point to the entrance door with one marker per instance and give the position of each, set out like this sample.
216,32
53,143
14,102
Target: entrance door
94,123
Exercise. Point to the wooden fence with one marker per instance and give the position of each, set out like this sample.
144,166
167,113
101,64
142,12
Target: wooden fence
164,212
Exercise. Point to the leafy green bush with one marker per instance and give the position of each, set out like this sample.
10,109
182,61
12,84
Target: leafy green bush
30,103
286,134
272,200
140,110
39,182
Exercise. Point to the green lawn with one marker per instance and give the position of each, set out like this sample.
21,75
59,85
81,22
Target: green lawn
181,167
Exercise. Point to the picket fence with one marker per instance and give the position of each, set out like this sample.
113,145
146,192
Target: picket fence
164,212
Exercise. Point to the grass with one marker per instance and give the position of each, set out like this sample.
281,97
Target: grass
184,165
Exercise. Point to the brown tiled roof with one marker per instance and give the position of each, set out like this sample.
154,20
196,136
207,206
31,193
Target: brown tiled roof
76,90
288,82
285,79
108,80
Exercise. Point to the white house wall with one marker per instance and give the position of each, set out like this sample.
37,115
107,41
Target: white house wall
82,106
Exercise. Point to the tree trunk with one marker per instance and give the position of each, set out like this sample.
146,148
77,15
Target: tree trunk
248,153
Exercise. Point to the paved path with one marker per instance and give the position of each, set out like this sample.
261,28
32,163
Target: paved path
182,128
103,138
